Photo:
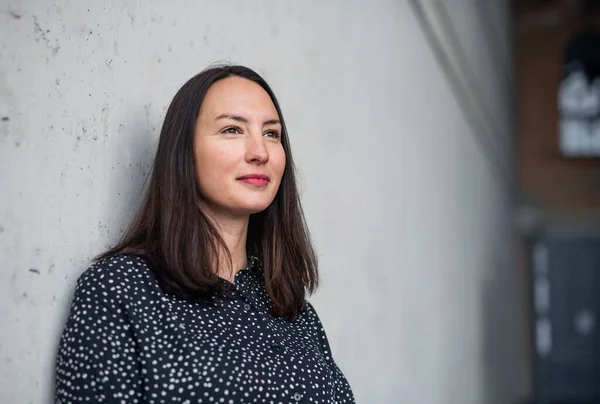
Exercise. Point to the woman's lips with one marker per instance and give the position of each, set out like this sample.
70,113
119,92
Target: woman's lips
256,180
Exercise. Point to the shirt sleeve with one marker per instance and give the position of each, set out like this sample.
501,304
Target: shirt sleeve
342,390
97,358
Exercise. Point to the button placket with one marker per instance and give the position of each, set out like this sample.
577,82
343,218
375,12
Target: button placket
244,290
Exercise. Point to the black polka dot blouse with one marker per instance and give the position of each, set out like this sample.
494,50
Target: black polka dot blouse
126,341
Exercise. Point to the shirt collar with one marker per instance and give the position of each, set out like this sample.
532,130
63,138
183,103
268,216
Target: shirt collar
253,262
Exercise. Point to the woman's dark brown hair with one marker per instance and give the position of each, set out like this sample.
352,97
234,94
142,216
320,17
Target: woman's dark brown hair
179,242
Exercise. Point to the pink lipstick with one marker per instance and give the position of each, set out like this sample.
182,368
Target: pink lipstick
257,180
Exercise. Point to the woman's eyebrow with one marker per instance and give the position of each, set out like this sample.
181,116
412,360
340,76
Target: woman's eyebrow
232,117
245,120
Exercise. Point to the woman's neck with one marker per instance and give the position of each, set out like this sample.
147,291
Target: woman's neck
234,235
234,231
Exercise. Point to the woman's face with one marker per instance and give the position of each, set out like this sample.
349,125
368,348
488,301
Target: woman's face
237,145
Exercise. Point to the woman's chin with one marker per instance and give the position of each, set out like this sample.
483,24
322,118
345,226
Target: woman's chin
257,208
252,208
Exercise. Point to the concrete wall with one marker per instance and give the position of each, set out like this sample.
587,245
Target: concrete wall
409,214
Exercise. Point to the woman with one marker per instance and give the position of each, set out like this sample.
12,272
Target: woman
167,315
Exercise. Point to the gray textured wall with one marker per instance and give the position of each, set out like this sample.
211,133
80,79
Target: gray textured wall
411,224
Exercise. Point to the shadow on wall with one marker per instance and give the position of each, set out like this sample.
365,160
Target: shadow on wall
134,158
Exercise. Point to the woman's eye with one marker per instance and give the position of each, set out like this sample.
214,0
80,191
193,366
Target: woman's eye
232,129
272,133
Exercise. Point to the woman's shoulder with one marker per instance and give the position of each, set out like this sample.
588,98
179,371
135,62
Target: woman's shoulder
309,316
116,276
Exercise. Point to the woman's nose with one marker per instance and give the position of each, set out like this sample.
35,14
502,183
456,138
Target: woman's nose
256,149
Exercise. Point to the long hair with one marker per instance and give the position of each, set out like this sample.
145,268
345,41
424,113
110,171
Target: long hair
177,238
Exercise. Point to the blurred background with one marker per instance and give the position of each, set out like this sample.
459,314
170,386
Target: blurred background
557,48
449,159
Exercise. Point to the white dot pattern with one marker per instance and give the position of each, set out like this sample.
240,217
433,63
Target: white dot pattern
126,341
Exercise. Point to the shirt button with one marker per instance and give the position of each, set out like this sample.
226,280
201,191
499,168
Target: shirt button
277,347
247,307
297,397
